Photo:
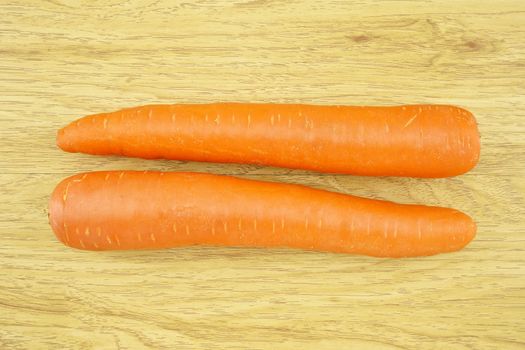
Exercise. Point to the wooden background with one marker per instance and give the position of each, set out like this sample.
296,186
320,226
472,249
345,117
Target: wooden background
60,60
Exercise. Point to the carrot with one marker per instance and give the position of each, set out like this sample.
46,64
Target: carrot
138,210
412,140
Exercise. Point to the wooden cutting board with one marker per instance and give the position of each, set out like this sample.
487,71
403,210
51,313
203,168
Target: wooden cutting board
60,60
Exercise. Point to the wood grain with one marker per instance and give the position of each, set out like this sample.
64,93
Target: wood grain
63,59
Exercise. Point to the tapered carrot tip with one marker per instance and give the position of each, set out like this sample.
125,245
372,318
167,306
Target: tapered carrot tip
411,140
150,210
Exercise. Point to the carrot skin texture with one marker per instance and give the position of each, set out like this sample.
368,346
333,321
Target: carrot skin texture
412,140
116,210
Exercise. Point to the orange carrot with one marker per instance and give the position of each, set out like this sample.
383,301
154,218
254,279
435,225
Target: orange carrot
138,210
412,140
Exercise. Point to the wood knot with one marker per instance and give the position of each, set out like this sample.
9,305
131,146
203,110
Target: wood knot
473,45
478,44
360,38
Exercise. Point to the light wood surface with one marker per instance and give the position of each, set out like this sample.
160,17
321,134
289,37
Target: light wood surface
60,60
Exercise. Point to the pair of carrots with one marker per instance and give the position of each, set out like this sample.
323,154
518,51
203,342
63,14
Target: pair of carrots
136,210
